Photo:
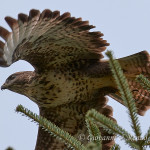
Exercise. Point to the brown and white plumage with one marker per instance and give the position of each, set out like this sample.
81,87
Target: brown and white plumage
70,77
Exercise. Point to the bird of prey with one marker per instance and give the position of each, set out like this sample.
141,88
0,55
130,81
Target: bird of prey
70,74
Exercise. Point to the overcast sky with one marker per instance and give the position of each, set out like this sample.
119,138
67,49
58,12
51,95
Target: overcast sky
126,26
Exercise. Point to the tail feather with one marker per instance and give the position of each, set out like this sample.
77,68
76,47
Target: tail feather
132,66
136,64
141,96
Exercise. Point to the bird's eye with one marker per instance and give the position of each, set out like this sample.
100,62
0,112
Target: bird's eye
11,77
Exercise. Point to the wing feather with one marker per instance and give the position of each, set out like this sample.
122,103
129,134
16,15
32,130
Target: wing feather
13,23
22,21
2,44
51,37
32,21
6,59
46,14
4,33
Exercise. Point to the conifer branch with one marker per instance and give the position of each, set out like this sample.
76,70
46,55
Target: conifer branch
115,147
146,139
143,81
111,127
52,129
126,95
92,146
94,132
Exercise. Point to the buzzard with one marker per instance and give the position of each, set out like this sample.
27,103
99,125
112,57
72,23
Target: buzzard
70,75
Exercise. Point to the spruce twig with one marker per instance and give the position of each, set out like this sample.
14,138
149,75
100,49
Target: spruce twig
146,139
126,95
94,132
115,147
52,129
111,127
143,81
92,146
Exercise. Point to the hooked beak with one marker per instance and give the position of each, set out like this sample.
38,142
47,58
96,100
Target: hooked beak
3,87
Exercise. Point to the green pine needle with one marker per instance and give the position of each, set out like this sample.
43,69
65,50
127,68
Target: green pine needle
126,95
111,127
146,139
143,81
92,146
52,129
115,147
94,132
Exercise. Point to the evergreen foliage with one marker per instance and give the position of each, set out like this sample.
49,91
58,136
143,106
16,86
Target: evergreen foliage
94,133
115,147
143,81
54,130
125,92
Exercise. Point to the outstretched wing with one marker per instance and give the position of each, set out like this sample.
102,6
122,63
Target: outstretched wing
49,39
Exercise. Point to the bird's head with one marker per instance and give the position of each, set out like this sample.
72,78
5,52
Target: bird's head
17,82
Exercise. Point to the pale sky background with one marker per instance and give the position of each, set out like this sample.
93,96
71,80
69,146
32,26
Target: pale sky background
126,26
